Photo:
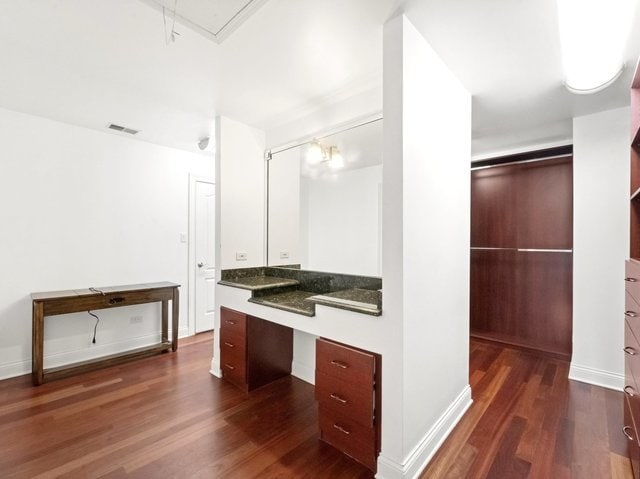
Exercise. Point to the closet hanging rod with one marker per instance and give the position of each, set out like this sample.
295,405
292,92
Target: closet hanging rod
523,250
521,162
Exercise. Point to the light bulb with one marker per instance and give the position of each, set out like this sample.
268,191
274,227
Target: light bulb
335,160
314,153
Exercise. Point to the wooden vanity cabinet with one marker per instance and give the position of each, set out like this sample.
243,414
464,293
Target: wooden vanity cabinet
632,363
348,391
253,351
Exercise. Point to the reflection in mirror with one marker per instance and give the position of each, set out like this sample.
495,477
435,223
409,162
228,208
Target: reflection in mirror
325,203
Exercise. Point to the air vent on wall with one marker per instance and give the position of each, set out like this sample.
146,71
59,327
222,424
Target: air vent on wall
113,126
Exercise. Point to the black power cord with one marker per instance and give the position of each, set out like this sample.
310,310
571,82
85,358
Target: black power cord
96,325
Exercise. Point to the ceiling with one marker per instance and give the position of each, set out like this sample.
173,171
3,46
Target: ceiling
215,19
91,63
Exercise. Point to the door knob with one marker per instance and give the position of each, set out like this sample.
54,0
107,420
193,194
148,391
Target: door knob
200,265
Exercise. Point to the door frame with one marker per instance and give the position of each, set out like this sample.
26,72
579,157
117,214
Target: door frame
191,256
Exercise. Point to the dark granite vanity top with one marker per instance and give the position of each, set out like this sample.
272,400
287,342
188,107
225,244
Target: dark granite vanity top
298,291
365,301
256,283
292,301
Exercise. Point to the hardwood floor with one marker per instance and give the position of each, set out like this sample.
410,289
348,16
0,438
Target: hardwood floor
167,417
529,421
163,417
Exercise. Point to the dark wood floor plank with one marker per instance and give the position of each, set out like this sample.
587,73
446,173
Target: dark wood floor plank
529,420
167,417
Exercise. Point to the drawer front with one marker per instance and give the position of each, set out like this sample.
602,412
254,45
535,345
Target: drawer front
348,436
233,321
632,315
344,398
232,343
233,360
632,372
345,363
629,430
234,371
632,278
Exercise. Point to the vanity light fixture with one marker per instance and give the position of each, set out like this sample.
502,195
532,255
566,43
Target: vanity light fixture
315,153
335,159
593,35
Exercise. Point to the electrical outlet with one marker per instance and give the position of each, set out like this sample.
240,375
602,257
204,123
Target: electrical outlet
135,319
284,255
240,256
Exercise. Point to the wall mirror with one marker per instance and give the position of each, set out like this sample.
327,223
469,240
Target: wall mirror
325,202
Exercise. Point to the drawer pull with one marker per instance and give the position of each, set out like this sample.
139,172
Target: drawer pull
335,397
341,364
629,391
228,321
625,431
230,345
229,366
631,280
343,430
631,314
630,351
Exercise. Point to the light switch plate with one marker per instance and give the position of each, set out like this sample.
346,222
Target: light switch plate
183,237
240,256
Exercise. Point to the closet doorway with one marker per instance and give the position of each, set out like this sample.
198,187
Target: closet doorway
522,254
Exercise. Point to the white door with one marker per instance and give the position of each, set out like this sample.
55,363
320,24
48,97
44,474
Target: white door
205,279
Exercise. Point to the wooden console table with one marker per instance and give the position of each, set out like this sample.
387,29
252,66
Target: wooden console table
74,301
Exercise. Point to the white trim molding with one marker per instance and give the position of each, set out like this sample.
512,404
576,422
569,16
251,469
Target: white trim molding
596,377
416,461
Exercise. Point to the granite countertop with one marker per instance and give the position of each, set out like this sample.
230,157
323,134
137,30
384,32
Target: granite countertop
298,291
292,301
364,301
256,283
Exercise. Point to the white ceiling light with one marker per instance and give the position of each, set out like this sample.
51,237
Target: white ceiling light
593,34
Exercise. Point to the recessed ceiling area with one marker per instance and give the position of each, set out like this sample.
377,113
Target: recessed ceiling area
215,19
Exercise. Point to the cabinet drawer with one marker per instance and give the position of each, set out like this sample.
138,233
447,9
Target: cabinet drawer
632,315
233,321
234,370
632,278
629,430
345,363
232,342
350,437
347,399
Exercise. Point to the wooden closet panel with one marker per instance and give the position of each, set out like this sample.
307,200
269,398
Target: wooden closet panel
519,294
527,205
523,299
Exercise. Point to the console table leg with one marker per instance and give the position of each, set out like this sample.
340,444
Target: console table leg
37,344
165,320
175,303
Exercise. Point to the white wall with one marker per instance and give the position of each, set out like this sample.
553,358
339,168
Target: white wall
83,208
284,207
343,221
241,190
427,115
601,244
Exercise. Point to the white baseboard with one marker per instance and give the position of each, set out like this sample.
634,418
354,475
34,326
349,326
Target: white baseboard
597,377
215,368
430,443
304,372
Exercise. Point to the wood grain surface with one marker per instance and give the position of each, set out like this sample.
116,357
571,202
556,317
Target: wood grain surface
167,417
